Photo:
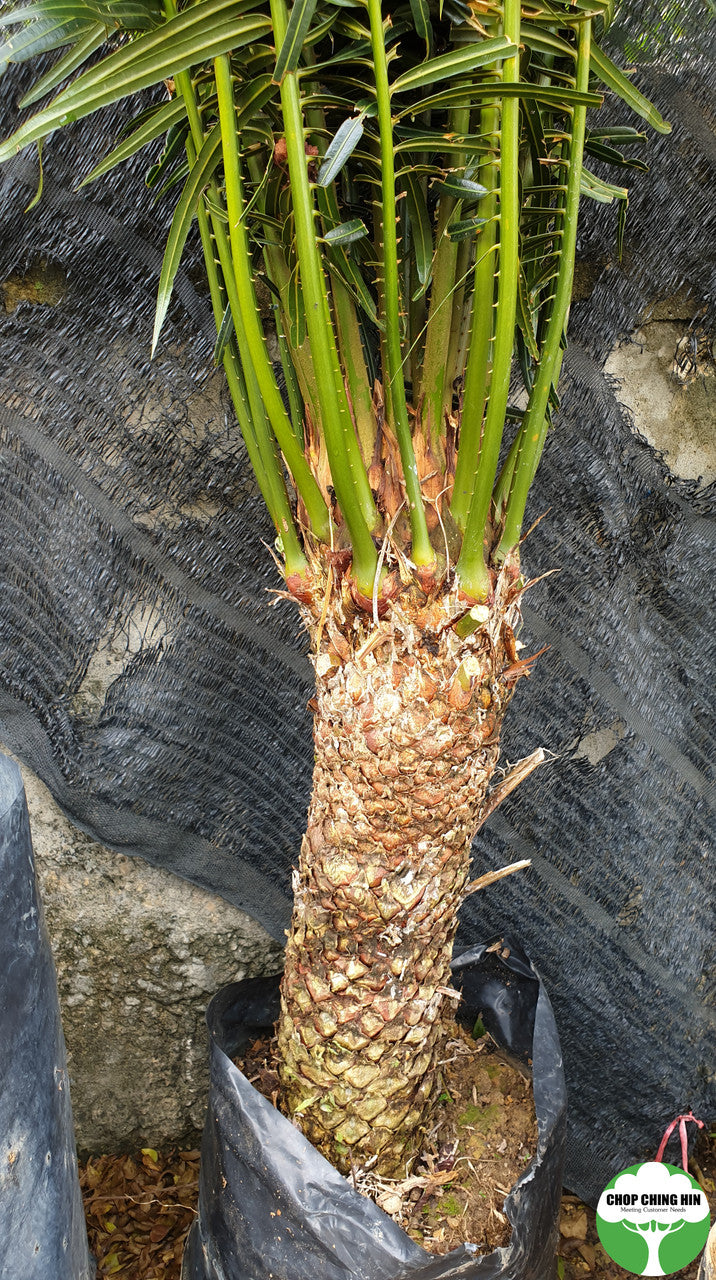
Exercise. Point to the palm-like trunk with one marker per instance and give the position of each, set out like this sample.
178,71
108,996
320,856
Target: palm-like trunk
406,739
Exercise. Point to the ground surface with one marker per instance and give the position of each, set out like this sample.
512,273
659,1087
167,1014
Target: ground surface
139,1209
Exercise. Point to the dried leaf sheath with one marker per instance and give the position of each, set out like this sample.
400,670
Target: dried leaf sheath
406,740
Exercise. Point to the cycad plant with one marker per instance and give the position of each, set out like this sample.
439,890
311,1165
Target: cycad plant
405,180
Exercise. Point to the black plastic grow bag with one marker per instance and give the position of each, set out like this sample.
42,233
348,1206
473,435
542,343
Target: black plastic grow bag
271,1208
42,1227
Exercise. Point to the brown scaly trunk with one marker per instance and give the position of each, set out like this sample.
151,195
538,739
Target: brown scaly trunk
406,735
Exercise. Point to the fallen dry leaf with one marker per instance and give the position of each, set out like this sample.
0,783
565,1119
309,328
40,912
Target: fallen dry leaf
139,1210
589,1254
573,1226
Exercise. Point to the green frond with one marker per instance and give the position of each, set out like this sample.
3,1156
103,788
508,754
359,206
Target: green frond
207,29
405,183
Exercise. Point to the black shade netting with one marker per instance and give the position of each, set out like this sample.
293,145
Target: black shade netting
148,683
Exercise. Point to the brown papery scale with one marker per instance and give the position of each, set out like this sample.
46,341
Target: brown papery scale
406,735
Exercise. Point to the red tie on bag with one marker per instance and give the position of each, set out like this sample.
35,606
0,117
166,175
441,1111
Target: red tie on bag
682,1122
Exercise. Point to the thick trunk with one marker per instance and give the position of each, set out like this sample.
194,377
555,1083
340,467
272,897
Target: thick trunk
406,740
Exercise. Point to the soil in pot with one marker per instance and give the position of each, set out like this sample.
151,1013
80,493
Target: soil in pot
482,1137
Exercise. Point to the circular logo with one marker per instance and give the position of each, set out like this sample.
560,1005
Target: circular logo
653,1219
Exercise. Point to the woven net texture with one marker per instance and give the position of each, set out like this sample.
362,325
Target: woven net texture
147,681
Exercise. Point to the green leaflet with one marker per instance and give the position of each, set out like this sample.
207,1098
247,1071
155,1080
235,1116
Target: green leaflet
173,148
316,34
27,13
346,232
224,335
431,140
610,75
617,133
258,131
534,129
480,54
596,8
252,99
40,37
465,227
461,188
295,311
540,240
340,266
545,189
216,209
341,146
202,169
610,155
524,317
81,51
348,25
129,15
603,192
203,31
456,11
295,400
464,95
257,59
357,54
545,41
288,55
420,227
420,10
539,282
174,178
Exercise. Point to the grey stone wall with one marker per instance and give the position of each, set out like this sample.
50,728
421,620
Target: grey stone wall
139,953
666,374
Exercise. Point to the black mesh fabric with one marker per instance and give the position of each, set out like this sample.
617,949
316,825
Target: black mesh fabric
130,520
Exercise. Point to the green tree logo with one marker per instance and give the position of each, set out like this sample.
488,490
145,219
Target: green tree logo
653,1219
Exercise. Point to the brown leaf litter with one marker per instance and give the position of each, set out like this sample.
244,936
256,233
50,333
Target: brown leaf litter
139,1208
